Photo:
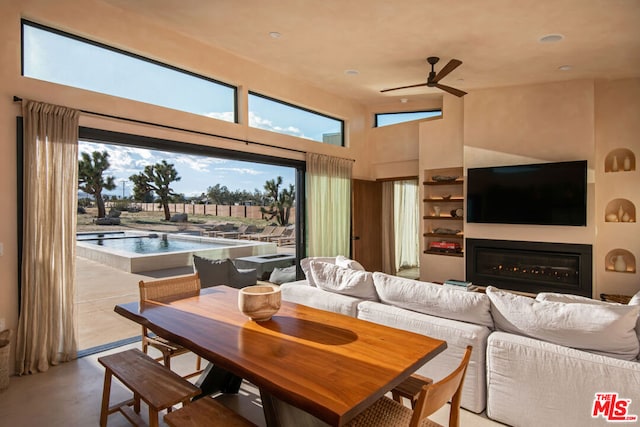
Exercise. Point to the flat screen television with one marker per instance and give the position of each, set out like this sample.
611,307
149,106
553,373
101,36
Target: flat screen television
538,194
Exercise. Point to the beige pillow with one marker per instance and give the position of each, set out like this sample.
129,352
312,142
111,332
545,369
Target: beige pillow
604,329
345,281
340,260
304,265
435,300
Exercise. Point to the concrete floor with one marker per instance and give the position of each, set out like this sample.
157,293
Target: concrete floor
69,394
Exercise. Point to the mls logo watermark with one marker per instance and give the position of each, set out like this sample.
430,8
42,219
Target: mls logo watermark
612,408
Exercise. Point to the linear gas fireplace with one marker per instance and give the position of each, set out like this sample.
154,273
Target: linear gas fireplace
530,266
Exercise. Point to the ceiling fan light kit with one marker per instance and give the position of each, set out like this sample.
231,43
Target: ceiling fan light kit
434,79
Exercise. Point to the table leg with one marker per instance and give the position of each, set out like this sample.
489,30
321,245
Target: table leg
281,414
215,379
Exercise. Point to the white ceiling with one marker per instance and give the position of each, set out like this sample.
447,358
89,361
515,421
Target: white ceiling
388,41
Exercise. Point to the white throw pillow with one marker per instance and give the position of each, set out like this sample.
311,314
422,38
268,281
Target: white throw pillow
304,265
340,260
569,298
345,262
635,301
604,329
345,281
433,299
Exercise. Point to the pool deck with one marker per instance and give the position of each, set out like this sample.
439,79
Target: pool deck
100,287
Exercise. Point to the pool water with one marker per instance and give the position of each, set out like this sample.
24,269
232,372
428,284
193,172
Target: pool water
153,244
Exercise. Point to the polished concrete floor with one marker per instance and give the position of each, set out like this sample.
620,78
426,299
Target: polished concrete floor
69,395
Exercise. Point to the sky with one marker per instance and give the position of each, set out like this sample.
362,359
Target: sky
197,172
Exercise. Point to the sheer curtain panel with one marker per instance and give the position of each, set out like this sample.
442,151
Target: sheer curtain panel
328,205
407,224
46,334
388,229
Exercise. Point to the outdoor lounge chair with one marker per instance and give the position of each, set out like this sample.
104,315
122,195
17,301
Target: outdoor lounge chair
287,237
276,232
214,272
243,229
253,236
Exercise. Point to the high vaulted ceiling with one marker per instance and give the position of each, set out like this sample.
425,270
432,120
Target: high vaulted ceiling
388,41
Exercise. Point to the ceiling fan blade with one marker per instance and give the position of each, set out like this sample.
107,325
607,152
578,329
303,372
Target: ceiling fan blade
451,90
403,87
452,65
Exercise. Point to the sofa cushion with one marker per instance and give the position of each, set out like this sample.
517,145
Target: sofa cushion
345,281
340,260
433,299
344,262
300,292
458,336
603,329
568,298
635,301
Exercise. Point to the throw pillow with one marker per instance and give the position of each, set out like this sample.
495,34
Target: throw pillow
283,275
345,281
304,265
569,298
604,329
338,260
433,299
635,301
345,262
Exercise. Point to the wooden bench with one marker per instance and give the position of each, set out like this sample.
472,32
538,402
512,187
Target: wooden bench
206,412
154,384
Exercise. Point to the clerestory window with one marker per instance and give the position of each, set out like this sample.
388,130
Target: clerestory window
66,59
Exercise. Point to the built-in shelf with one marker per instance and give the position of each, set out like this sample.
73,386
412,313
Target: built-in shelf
620,210
441,198
628,261
454,254
620,160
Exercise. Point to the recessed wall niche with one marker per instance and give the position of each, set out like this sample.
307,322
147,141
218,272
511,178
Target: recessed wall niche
620,160
620,261
620,210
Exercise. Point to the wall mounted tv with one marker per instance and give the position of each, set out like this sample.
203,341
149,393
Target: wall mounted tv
539,194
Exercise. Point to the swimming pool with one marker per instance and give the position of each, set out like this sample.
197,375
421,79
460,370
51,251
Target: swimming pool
135,252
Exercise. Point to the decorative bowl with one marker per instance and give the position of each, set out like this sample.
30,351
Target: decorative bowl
259,302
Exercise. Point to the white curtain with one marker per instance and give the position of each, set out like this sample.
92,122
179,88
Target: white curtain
388,229
46,334
406,224
328,205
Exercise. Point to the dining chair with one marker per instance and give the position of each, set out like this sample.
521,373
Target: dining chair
386,412
157,290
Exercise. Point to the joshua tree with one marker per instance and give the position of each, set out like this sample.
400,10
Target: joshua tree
91,179
156,178
281,201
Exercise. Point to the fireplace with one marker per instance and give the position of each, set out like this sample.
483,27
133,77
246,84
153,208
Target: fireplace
530,266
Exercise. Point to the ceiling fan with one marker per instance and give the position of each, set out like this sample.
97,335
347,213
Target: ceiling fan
433,79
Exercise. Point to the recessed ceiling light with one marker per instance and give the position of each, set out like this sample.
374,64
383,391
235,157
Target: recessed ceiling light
275,35
551,38
564,67
404,100
351,72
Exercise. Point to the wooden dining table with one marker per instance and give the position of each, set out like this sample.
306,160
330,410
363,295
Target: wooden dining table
308,364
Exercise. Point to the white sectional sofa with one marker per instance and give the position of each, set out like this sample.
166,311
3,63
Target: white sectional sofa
534,362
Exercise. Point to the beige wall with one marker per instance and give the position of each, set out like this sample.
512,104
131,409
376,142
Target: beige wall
101,22
574,120
617,119
559,121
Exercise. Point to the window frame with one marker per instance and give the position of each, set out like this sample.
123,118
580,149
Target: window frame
25,22
376,115
297,107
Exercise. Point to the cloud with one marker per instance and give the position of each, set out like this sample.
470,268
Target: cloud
260,123
242,171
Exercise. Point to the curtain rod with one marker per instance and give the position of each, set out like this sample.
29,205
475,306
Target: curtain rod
246,141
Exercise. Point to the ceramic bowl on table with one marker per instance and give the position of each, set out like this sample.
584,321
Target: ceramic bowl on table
259,302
